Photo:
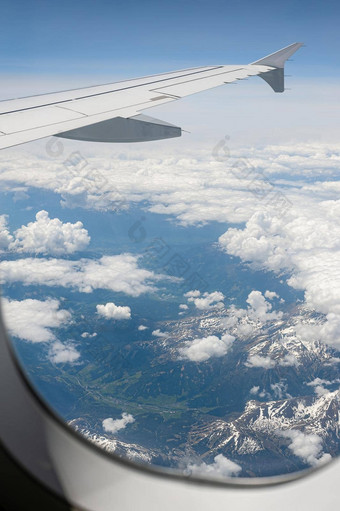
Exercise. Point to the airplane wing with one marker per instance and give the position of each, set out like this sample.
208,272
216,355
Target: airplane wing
112,112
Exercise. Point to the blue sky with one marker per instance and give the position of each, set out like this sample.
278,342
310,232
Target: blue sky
41,36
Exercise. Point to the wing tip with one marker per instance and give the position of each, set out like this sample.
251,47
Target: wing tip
278,59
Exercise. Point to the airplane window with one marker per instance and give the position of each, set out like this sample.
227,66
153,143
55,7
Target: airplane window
179,309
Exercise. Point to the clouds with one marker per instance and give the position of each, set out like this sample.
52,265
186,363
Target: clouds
205,301
259,361
141,328
113,426
319,385
112,311
177,185
50,236
244,322
260,308
60,353
270,295
221,467
5,237
266,362
201,350
306,245
119,273
33,320
158,333
306,447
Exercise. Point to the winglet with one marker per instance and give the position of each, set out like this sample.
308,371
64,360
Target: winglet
275,77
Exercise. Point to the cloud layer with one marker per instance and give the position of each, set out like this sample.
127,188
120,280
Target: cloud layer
118,273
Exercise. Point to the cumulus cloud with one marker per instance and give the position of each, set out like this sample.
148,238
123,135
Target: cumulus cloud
87,335
183,306
243,322
112,311
158,333
60,353
34,320
279,390
259,361
118,273
320,385
266,362
305,244
260,308
114,425
206,300
288,360
271,294
306,447
50,236
141,328
200,350
222,467
329,330
5,237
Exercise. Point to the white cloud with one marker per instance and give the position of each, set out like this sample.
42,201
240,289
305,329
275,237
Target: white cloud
329,330
288,360
254,390
271,294
200,350
222,467
259,361
113,426
205,301
177,185
118,273
266,362
87,335
60,353
142,327
319,385
260,308
112,311
305,243
50,236
183,306
5,237
33,320
193,294
279,390
158,333
306,447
